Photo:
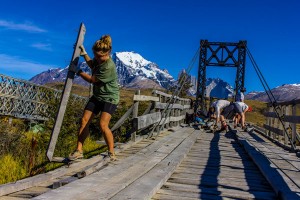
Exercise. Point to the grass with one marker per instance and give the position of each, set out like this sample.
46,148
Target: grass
257,115
11,169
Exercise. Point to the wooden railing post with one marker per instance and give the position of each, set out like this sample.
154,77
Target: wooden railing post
177,112
287,112
269,123
135,114
293,125
274,124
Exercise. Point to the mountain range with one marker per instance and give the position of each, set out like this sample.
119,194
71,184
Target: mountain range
286,92
134,71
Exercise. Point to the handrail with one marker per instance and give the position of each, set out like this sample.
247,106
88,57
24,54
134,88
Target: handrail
154,112
275,129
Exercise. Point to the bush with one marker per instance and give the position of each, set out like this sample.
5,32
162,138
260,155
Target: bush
11,169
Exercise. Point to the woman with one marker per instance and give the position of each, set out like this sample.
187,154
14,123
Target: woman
105,94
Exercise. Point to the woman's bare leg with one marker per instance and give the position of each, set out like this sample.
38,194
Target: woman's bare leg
84,128
107,134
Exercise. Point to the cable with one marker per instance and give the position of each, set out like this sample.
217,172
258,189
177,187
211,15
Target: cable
182,82
270,95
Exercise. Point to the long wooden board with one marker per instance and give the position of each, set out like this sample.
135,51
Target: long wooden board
66,92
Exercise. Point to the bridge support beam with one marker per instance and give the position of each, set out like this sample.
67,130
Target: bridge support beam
220,54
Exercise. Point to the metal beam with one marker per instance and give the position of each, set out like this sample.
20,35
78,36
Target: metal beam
221,54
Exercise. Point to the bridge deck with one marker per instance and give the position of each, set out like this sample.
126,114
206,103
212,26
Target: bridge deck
216,167
188,164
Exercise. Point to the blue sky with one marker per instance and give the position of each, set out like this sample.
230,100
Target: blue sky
39,34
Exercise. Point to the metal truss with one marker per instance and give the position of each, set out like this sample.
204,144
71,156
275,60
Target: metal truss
23,99
221,54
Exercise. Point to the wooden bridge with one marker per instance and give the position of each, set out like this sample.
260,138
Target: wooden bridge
181,162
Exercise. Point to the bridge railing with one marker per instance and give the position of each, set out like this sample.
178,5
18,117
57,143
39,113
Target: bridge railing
291,118
23,99
154,114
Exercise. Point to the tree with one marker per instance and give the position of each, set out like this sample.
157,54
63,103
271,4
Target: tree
183,85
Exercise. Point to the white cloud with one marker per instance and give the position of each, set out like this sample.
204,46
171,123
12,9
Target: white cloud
21,68
21,27
42,46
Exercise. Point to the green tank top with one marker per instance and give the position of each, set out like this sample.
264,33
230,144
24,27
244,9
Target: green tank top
107,74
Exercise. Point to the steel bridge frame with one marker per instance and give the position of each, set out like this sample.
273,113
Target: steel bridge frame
23,99
222,54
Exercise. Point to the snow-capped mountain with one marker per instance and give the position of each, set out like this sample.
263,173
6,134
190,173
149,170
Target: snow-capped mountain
218,88
133,71
286,92
131,65
215,87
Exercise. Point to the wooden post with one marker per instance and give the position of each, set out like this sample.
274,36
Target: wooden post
66,93
135,114
294,127
268,122
280,125
176,112
286,124
166,125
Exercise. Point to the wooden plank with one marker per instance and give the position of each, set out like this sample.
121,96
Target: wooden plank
213,182
159,105
122,119
292,119
66,93
147,185
274,130
165,194
145,98
286,118
219,191
177,118
284,187
222,172
113,173
226,178
169,95
187,106
29,193
146,120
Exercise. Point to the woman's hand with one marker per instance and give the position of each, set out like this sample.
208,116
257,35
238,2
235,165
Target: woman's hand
82,50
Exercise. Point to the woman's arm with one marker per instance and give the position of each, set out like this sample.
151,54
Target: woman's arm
90,79
88,60
86,57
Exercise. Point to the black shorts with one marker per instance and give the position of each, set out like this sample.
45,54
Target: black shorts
229,111
95,106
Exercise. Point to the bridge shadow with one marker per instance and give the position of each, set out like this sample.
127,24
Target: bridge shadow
210,183
255,137
257,185
209,178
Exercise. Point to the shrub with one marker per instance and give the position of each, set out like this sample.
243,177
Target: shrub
11,169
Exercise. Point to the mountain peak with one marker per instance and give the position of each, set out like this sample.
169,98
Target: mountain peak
132,59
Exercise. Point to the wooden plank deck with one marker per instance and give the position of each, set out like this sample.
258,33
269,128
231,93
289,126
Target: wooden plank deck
280,167
157,162
186,164
216,167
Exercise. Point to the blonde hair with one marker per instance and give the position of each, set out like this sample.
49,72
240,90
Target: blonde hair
104,45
